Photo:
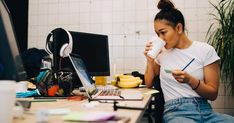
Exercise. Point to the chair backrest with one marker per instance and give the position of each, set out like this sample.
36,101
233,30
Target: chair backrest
157,102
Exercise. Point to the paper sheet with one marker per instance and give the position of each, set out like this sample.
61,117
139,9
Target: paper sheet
89,116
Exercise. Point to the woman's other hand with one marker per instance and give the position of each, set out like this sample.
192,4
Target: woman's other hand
181,76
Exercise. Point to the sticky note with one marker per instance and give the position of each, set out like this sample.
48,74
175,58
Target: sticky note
167,71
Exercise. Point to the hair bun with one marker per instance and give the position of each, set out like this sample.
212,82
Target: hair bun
165,5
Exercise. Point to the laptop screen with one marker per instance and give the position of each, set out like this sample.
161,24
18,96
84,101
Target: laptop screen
85,78
90,87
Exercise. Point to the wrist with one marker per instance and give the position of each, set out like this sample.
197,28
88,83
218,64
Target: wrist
188,81
193,82
198,84
150,61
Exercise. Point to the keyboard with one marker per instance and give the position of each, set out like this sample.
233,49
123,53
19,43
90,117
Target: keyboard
110,93
107,87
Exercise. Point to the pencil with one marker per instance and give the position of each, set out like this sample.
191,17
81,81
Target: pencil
188,64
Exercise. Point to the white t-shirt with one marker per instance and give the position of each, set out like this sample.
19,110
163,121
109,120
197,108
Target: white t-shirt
172,59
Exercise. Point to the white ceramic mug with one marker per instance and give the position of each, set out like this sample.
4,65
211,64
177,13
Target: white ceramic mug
158,44
7,103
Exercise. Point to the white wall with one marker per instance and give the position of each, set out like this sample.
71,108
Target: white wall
128,23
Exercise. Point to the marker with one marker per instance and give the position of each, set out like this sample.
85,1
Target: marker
188,64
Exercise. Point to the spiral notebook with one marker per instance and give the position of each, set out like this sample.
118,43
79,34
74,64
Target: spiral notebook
91,89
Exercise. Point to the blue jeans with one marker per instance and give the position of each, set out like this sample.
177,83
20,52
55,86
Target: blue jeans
192,110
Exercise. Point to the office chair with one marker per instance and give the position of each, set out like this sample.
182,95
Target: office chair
154,113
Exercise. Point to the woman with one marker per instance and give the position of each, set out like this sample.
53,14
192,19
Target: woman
194,76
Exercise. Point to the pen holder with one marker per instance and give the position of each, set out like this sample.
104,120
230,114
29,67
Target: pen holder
65,83
50,85
44,81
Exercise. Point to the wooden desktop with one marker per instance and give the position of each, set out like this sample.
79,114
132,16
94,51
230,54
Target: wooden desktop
134,115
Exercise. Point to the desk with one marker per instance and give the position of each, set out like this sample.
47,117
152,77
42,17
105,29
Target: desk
135,115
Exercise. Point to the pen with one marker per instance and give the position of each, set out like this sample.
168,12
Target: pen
188,64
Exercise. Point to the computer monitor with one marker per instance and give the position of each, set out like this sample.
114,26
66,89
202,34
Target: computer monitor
10,60
94,51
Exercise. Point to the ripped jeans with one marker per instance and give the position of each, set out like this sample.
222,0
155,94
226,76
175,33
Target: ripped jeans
192,110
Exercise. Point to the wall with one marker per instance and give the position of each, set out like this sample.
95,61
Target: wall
128,23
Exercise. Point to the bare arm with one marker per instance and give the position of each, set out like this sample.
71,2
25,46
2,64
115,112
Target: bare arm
152,68
207,88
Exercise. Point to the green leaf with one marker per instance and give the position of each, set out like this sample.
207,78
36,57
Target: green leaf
220,35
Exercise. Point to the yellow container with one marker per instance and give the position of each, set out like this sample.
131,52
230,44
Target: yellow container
100,80
113,82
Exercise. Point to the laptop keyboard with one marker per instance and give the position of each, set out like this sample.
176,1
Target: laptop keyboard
110,93
107,87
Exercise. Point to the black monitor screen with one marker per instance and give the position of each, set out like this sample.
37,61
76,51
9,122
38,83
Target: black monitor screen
11,67
94,50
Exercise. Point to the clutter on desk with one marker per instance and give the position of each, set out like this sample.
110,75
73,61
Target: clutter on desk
49,86
27,94
65,82
22,86
89,116
44,82
59,111
48,81
31,86
76,98
23,92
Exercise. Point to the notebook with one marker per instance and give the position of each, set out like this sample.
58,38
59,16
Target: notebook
96,94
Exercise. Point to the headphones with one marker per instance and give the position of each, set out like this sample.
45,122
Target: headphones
65,49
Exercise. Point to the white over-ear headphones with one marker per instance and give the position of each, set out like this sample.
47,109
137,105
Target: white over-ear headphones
65,49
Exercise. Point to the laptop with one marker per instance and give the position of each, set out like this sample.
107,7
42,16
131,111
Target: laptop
93,92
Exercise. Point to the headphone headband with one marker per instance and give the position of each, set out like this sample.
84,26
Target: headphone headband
65,49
